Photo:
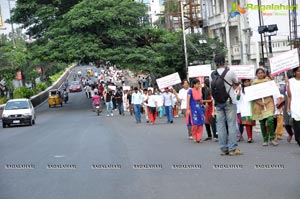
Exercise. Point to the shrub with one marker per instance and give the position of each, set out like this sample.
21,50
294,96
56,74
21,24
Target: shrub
41,86
23,92
3,100
54,77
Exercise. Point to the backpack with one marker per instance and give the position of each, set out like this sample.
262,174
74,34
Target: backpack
218,88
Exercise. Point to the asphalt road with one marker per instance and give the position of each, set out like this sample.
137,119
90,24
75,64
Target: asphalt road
71,153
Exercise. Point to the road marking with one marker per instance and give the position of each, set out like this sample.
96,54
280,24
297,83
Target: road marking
59,156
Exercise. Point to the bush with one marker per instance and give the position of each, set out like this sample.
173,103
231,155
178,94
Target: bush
23,92
54,77
41,86
3,100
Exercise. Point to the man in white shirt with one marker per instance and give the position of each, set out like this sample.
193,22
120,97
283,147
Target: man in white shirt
182,99
168,104
137,100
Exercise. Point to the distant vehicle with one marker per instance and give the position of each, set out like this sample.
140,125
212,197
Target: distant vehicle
89,72
75,86
18,111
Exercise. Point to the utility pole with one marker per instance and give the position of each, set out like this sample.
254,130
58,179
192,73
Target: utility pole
261,35
12,25
184,40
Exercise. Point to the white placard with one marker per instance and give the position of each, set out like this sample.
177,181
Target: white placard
261,90
199,70
126,88
284,61
151,88
112,88
243,71
168,80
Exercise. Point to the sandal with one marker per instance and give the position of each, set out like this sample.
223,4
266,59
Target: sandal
289,138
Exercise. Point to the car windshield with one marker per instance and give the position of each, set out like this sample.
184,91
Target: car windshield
16,105
75,83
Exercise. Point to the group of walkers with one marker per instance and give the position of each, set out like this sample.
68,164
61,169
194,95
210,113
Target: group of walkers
202,105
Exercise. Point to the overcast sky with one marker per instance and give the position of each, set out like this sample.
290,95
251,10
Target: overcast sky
5,14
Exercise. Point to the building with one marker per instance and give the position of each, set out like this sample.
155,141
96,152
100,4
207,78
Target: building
240,31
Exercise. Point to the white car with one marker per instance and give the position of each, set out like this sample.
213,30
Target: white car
18,111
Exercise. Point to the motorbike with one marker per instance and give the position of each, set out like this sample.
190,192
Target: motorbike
98,108
65,96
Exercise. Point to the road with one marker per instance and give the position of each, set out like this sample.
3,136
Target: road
71,153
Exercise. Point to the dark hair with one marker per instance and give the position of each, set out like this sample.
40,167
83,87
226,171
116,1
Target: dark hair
135,88
243,86
295,69
219,60
145,89
196,81
257,70
206,82
185,80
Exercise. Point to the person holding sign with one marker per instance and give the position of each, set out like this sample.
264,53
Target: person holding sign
194,111
263,110
293,102
245,109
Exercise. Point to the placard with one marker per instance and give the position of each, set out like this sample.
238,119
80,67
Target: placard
168,80
199,70
243,71
261,90
285,61
112,88
126,88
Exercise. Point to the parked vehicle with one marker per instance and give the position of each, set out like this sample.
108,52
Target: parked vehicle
54,98
18,111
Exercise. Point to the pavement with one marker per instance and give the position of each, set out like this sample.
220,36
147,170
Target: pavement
71,153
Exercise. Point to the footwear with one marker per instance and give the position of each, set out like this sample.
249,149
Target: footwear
107,115
235,152
224,152
216,139
200,141
112,114
250,140
190,138
171,122
265,144
208,138
273,143
289,138
279,138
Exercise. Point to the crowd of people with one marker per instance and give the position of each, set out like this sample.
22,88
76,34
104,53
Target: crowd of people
224,121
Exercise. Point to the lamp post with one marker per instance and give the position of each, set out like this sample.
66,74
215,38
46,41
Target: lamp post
270,29
213,46
12,25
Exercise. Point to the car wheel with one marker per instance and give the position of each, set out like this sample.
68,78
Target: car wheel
30,122
33,121
3,125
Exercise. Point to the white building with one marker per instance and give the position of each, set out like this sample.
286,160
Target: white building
155,9
240,33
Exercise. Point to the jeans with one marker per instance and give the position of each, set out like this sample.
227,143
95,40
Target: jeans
121,108
137,112
227,112
109,106
169,113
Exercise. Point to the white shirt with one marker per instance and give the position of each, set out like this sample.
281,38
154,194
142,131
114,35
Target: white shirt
160,100
295,96
151,100
168,99
136,98
183,96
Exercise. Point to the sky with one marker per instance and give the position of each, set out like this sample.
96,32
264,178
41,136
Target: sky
5,15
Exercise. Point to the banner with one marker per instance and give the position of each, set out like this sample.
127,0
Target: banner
112,88
261,90
126,88
199,70
168,80
243,71
285,61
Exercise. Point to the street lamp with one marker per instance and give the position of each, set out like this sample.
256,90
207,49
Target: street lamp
270,29
213,46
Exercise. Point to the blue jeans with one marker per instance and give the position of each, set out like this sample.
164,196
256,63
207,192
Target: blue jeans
121,108
227,112
109,106
137,112
168,110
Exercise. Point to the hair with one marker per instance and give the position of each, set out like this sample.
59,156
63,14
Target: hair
206,82
185,80
196,81
219,60
135,88
260,69
295,69
243,86
145,89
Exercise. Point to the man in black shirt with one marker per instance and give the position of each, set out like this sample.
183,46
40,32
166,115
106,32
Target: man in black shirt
119,101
